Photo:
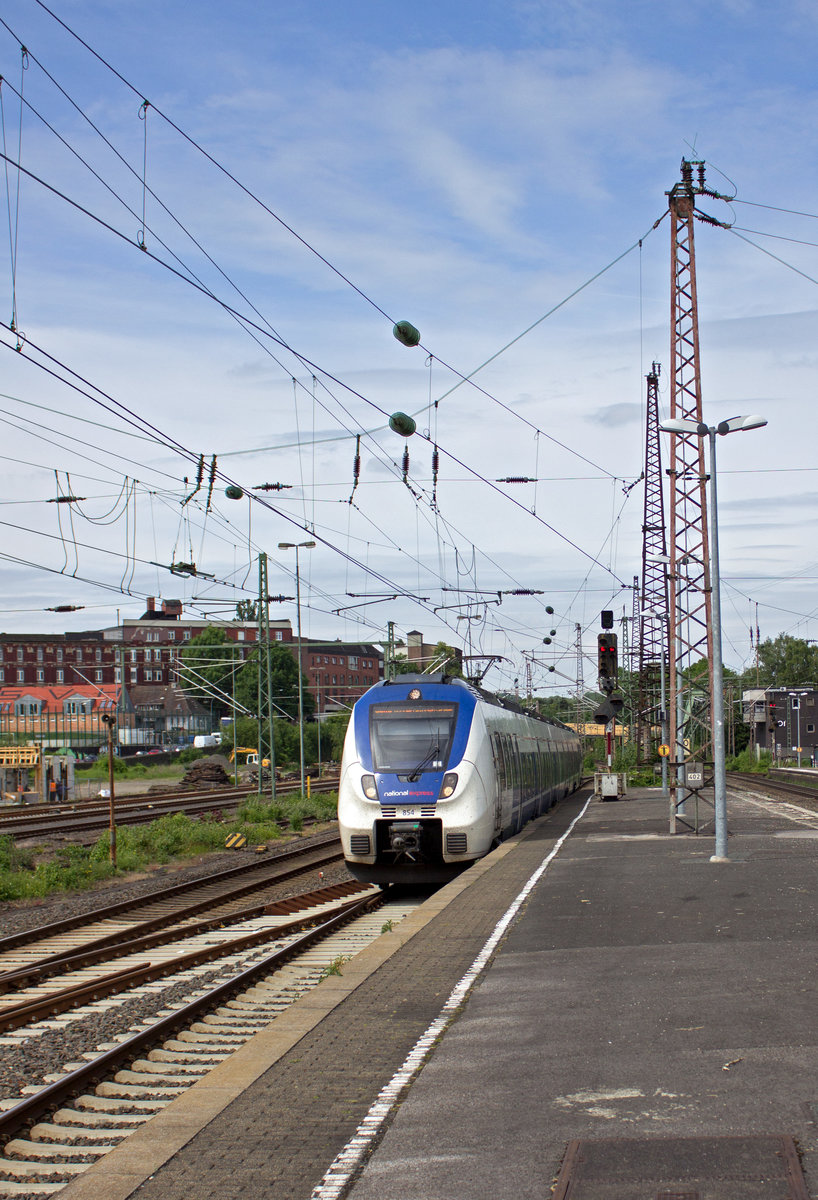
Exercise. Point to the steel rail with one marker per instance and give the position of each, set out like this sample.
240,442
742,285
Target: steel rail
110,984
74,1084
163,931
113,910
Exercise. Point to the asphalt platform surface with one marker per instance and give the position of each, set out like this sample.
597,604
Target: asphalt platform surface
641,992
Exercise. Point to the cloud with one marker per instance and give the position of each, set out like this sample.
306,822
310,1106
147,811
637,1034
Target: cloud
615,415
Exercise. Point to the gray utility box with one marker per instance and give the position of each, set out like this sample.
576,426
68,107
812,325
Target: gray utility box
609,785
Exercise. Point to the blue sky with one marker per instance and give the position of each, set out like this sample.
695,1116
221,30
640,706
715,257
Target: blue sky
467,170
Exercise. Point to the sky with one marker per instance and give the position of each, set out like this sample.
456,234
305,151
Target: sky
221,212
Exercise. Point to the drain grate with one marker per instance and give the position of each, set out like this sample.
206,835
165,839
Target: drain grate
763,1167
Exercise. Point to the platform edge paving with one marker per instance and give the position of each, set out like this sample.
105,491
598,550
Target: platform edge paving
150,1148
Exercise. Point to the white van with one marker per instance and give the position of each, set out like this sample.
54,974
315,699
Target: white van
203,740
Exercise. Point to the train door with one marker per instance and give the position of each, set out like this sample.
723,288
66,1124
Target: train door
499,780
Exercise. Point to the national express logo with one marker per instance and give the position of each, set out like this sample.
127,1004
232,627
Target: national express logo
408,794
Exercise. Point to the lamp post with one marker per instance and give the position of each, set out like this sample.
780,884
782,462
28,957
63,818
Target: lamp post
702,429
299,546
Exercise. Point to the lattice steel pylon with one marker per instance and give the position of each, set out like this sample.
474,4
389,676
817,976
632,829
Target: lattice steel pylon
691,685
653,593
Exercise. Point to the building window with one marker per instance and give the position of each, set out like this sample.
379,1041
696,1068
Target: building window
133,655
98,654
157,676
240,635
79,654
39,654
353,662
810,728
148,676
2,675
98,676
1,653
41,675
279,636
21,675
59,654
133,674
19,653
186,635
171,635
117,674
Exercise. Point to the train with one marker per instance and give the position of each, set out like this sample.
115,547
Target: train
436,771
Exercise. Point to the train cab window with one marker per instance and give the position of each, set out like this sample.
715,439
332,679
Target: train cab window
411,736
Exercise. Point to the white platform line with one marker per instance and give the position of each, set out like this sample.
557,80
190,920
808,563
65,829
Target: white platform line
346,1163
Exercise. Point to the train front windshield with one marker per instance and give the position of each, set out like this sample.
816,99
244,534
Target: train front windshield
409,737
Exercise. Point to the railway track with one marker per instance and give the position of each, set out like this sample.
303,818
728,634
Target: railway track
84,1109
84,820
57,947
776,789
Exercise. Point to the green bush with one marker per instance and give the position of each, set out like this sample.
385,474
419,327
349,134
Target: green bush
747,761
12,858
190,754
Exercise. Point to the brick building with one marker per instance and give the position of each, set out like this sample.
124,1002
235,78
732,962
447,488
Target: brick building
339,672
137,652
139,656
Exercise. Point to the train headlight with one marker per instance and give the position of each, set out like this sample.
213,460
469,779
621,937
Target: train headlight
448,785
369,786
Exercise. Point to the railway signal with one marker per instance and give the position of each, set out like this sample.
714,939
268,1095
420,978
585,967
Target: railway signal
607,661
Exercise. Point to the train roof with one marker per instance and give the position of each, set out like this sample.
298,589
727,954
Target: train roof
479,693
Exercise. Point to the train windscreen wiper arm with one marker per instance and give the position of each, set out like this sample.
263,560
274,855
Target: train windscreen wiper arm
415,776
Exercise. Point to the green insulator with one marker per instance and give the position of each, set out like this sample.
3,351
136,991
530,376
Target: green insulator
234,492
547,641
400,423
549,609
406,333
553,632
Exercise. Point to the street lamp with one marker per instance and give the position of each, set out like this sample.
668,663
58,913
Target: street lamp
702,429
299,546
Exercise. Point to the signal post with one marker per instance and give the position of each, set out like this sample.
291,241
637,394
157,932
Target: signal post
608,785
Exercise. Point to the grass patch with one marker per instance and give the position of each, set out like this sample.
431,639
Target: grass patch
139,847
747,761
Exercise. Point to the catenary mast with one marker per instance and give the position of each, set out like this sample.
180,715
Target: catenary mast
652,617
689,573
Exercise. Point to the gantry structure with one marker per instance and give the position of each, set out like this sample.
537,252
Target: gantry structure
690,643
652,609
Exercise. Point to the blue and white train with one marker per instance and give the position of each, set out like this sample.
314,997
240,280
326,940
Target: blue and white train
436,771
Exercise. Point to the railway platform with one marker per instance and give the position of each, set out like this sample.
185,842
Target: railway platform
595,1012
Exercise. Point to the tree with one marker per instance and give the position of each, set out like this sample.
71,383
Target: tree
206,666
283,683
247,610
443,658
785,662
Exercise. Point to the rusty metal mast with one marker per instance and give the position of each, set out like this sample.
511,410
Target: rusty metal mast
653,615
689,575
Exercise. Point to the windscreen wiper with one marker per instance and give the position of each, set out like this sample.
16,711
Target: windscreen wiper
415,776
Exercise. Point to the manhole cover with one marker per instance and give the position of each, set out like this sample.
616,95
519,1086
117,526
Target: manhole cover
727,1168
